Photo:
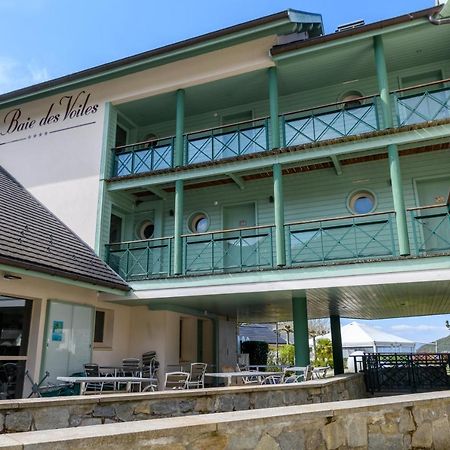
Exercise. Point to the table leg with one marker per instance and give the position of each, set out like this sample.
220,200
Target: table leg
229,381
82,388
128,386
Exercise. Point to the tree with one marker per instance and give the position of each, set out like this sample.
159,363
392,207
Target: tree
318,327
288,329
324,353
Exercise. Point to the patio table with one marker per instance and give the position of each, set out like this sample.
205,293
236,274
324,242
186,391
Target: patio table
244,373
82,381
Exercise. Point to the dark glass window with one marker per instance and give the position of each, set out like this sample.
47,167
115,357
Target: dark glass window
121,136
99,328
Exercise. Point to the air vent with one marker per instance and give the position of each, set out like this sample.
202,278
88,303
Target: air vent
350,25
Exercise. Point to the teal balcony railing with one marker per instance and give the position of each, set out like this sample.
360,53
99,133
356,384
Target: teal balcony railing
433,103
143,157
341,238
431,229
227,141
331,121
141,260
234,250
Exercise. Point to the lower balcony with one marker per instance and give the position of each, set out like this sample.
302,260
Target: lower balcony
355,238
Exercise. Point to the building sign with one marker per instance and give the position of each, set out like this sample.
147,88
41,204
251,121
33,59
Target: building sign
61,113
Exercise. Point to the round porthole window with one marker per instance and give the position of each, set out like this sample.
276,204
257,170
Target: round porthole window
362,202
146,230
199,223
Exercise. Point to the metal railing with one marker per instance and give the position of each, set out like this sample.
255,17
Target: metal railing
227,141
384,372
431,228
341,238
330,121
140,260
143,157
236,250
433,103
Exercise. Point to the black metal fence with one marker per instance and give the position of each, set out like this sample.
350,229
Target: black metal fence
390,372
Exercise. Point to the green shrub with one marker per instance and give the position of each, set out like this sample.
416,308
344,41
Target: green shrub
324,353
286,355
257,351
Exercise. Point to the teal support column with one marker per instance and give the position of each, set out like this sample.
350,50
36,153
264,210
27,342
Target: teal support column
338,360
274,113
178,160
178,228
178,157
279,215
394,161
301,336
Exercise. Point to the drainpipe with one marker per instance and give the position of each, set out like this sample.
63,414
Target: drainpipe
442,17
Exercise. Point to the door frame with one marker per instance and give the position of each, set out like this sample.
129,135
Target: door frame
419,179
47,315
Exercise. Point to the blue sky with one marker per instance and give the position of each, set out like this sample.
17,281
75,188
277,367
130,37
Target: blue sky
45,39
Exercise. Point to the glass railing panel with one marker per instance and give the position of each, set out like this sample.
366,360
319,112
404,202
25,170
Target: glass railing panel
141,260
431,229
346,238
143,157
233,250
226,142
424,107
305,127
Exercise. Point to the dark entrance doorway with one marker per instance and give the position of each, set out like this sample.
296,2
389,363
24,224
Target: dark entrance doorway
15,318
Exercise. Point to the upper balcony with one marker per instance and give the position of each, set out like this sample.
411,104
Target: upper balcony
353,116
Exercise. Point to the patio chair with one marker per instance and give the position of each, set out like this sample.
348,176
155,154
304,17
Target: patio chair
149,370
196,378
320,372
248,380
176,380
92,370
131,367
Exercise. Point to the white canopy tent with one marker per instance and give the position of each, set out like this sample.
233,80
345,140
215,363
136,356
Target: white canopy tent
361,337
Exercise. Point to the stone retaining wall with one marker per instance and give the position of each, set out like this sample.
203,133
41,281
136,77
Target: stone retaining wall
416,421
64,412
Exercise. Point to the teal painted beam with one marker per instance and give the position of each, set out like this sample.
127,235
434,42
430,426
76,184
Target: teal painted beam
178,157
199,340
336,164
178,228
279,215
406,139
383,81
336,338
158,192
240,182
274,109
301,335
399,200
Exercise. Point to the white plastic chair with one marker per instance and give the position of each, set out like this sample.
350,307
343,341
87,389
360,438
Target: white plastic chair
196,378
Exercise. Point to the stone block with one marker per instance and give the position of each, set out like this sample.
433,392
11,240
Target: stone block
187,406
241,402
267,442
356,431
333,435
142,408
288,440
104,411
208,441
406,422
441,434
18,421
87,421
164,408
51,418
423,436
124,411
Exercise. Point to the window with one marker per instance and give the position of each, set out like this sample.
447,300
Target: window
115,230
351,99
146,230
199,223
361,202
103,328
121,136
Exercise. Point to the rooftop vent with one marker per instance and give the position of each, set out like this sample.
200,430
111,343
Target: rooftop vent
350,25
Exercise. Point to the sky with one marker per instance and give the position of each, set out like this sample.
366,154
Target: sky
45,39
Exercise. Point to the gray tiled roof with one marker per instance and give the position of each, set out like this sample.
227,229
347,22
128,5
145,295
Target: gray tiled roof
258,332
31,237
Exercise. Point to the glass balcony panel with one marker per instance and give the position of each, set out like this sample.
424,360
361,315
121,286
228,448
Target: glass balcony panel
424,107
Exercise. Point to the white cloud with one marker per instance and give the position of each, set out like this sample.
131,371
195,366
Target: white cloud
15,75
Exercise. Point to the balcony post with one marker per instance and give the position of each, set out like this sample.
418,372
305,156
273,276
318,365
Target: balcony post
301,335
280,244
178,228
394,160
179,185
273,102
336,339
178,159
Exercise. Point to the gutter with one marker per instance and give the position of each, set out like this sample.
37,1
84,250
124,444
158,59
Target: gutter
442,17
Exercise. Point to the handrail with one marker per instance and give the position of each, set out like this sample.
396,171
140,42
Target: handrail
420,208
329,219
139,241
121,147
228,238
221,127
418,86
256,227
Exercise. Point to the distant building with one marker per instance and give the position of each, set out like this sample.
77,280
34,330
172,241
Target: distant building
259,332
